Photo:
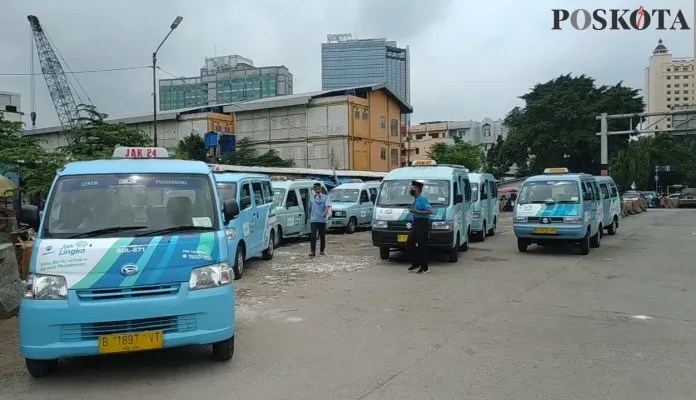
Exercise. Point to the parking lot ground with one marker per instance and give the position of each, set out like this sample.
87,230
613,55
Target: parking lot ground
617,323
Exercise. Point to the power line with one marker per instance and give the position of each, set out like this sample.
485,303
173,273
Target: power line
81,72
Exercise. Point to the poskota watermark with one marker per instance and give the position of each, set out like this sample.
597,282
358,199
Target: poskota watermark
620,19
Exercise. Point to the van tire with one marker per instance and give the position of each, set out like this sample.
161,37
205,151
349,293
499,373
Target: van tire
384,253
484,231
270,250
522,245
453,255
585,244
279,237
491,232
465,246
224,350
611,229
596,240
41,368
238,267
352,224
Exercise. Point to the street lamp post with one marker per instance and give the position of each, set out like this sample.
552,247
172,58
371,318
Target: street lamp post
174,25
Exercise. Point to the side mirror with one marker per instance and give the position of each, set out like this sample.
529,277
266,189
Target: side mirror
246,202
458,199
587,196
373,198
230,210
29,215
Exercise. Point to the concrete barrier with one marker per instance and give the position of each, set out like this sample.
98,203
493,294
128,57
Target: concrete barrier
11,287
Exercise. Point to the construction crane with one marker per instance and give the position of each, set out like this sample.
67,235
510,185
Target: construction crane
56,80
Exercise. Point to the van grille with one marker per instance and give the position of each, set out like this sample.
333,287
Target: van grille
128,292
552,220
91,331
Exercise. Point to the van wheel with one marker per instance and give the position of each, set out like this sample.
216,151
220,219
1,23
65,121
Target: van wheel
491,232
585,244
595,241
481,236
611,229
384,253
238,268
279,237
268,253
352,223
465,246
522,245
224,350
41,368
453,255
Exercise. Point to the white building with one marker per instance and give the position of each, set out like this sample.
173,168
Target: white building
11,106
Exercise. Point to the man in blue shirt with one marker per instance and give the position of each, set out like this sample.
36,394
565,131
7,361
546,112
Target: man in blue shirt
417,243
319,208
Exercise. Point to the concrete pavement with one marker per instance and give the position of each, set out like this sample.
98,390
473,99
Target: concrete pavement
616,324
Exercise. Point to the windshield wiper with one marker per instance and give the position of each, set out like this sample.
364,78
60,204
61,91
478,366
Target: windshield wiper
104,231
396,205
179,228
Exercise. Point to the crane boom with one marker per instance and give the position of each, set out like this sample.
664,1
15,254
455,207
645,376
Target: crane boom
56,80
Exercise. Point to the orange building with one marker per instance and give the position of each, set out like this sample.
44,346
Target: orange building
354,128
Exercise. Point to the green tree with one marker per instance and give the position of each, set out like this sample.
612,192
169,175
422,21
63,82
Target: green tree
24,155
192,147
632,164
245,154
496,164
95,138
462,153
558,123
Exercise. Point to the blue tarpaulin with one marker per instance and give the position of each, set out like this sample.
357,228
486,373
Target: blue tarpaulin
228,143
210,140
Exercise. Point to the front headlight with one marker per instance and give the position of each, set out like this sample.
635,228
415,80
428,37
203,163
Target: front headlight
520,219
442,225
339,213
379,224
477,214
46,287
210,276
572,220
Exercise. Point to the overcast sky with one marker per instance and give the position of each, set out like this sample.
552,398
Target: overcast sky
467,61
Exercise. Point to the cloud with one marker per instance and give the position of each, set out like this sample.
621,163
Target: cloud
468,60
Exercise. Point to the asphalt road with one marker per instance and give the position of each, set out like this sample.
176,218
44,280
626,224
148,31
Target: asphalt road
616,324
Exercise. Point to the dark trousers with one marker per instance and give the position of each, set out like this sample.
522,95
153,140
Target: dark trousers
418,236
318,228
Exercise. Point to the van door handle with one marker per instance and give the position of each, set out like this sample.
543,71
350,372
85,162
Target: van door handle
255,214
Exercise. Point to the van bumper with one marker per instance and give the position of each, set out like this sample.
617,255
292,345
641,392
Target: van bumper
476,224
563,231
51,329
436,239
338,223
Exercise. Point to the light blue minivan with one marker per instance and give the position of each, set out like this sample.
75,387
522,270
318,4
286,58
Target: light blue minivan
484,205
559,207
611,203
352,205
130,255
253,231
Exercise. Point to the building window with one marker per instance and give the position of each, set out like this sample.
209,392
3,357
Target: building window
382,122
365,116
394,157
669,99
394,127
383,154
417,150
357,114
486,130
669,77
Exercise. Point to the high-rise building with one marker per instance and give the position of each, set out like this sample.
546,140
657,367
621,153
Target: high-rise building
669,84
11,106
225,79
347,62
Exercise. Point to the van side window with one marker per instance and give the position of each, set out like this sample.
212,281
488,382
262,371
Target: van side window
605,190
484,191
292,199
467,190
364,198
267,191
614,191
456,189
246,191
258,192
494,189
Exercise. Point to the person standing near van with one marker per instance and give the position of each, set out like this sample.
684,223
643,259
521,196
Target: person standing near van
319,208
421,211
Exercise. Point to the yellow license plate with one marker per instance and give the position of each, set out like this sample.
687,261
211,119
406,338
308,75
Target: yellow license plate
126,342
401,238
545,231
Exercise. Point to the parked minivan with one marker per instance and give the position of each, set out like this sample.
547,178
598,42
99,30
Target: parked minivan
291,198
352,204
611,203
484,205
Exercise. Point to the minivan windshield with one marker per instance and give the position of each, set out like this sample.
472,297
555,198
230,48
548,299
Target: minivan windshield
127,205
345,195
396,193
551,191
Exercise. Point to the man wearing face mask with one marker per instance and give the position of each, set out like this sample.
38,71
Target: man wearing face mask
319,208
421,211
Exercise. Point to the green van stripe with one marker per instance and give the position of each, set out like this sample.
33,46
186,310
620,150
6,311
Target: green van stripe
103,265
206,241
142,262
